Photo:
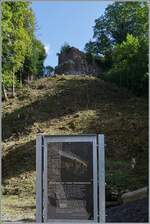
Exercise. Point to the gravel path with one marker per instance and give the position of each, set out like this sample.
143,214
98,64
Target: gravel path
131,212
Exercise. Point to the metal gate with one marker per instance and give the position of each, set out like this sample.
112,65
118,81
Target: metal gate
70,181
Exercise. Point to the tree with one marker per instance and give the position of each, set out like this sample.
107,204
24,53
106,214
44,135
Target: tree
23,55
121,36
130,64
34,62
49,69
119,19
17,26
41,55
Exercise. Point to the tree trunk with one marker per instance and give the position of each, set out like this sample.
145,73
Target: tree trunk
4,91
13,85
28,78
20,79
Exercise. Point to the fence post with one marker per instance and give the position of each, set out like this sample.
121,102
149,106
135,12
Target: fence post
101,173
39,187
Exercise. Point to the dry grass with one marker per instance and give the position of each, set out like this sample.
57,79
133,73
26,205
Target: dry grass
15,208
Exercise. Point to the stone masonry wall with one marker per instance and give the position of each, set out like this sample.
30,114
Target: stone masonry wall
73,61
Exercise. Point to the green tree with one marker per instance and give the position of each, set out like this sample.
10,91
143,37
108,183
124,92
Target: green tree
130,64
49,69
121,36
119,19
34,62
41,55
17,27
23,55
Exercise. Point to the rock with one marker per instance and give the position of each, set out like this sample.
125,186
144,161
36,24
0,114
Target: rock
135,195
112,203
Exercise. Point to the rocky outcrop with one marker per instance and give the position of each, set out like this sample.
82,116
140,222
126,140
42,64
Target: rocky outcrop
75,62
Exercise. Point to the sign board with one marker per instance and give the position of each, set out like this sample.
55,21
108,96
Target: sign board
67,188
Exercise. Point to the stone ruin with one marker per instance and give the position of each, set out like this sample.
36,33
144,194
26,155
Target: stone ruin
74,62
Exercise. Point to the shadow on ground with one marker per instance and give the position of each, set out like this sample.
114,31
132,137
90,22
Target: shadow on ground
70,96
119,115
20,159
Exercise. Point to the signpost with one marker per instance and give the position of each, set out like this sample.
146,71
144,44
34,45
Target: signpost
67,186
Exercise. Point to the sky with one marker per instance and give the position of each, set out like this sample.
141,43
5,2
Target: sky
62,22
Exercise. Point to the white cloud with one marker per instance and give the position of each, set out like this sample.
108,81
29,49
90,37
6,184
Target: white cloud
47,48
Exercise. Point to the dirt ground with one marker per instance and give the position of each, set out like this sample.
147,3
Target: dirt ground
18,210
131,212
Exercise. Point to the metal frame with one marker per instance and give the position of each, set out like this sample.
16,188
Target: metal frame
101,177
41,175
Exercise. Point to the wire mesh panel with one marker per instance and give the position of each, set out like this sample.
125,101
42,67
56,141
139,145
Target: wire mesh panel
69,176
69,180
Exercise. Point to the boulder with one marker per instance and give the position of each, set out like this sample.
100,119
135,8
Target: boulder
135,195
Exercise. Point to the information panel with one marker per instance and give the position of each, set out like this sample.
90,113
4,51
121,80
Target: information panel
70,178
70,181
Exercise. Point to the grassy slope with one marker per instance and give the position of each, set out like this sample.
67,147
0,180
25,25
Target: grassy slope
68,105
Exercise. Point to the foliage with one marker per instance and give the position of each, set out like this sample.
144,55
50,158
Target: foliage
49,68
17,26
33,64
40,57
65,48
95,59
23,54
130,64
91,48
121,36
119,19
7,79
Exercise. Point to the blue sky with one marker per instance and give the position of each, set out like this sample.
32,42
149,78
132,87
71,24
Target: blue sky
65,21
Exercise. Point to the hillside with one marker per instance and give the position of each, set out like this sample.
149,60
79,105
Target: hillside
73,105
